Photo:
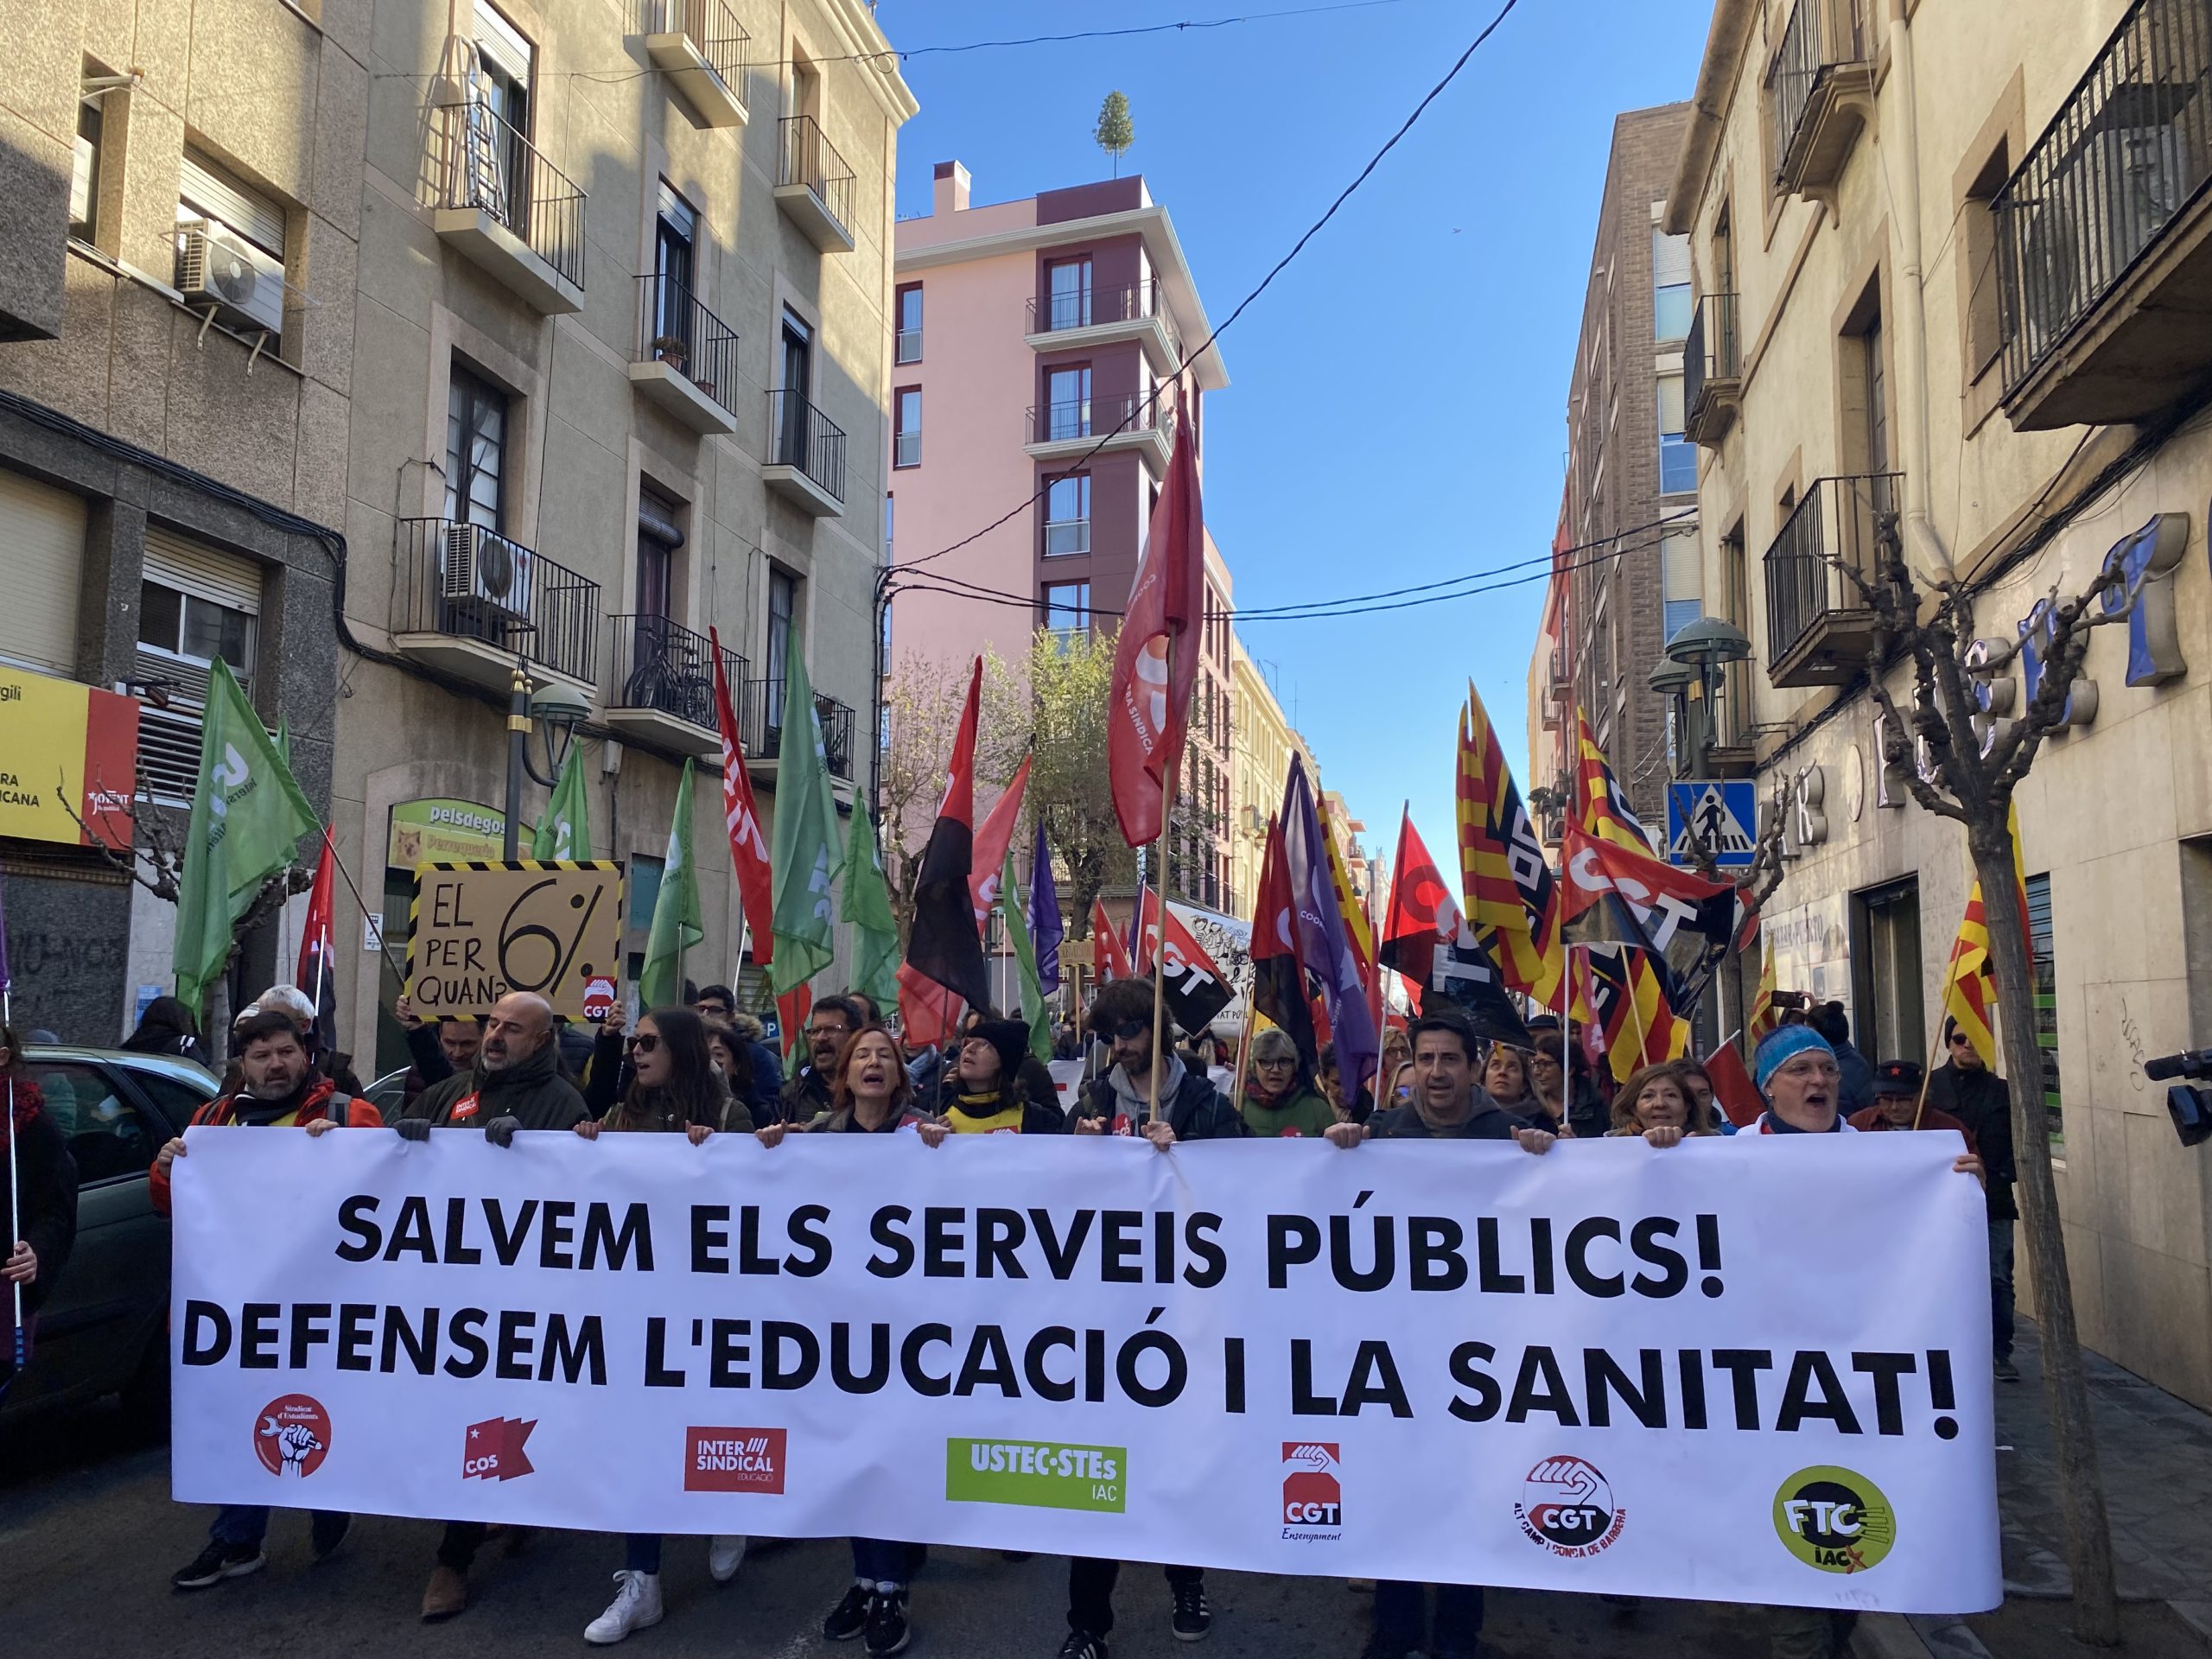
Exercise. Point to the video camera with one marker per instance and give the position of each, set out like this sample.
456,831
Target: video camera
2188,1102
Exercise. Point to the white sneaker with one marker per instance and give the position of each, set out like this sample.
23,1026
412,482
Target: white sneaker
636,1605
724,1551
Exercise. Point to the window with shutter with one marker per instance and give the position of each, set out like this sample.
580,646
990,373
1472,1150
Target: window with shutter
43,550
206,189
196,603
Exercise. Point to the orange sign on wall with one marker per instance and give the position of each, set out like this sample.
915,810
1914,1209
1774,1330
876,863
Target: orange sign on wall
68,760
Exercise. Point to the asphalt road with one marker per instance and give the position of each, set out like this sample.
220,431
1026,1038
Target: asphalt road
88,1539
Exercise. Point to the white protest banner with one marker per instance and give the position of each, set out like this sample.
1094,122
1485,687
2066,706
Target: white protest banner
1749,1370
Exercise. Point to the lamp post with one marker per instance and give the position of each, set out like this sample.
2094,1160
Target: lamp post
1702,650
561,708
1672,681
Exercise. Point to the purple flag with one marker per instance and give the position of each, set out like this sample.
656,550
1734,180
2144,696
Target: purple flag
1321,939
1046,930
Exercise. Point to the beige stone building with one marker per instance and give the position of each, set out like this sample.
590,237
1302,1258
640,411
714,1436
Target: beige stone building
622,356
1262,744
1950,261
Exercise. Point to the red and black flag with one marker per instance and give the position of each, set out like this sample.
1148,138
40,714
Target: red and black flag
318,965
1191,983
944,945
1428,942
1279,993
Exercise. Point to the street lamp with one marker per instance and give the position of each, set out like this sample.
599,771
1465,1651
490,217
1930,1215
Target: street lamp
1704,648
1672,681
561,708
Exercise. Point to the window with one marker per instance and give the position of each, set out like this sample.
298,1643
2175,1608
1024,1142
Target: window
1682,581
1067,403
1067,515
1982,317
175,1099
1068,283
1886,964
659,537
206,189
2043,960
43,550
783,606
108,1137
791,436
476,438
908,302
85,174
196,603
1877,399
1677,455
1067,607
1670,287
676,232
907,427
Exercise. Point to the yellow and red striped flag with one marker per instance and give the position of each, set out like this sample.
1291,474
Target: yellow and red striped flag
1512,899
1969,991
1598,803
1764,1015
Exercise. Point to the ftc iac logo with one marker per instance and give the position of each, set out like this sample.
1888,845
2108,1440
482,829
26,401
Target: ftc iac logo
1312,1496
1834,1520
493,1450
733,1460
292,1436
1567,1507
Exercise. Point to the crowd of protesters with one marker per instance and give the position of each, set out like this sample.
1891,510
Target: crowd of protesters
706,1069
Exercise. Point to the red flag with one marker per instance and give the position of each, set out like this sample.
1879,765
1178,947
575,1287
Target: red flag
1109,961
927,1012
1144,930
1733,1091
1156,661
318,952
793,1008
946,944
1278,970
1195,989
748,847
991,843
1432,949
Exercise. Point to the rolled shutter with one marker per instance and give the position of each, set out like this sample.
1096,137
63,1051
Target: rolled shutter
42,551
210,189
168,739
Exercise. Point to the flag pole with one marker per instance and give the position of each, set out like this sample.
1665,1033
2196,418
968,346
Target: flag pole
1160,944
14,1183
1950,968
1634,1010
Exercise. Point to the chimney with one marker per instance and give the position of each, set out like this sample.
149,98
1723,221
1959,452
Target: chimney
952,190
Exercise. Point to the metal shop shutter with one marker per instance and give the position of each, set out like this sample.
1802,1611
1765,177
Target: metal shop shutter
41,565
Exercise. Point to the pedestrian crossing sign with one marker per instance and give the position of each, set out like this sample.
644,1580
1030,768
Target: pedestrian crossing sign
1712,819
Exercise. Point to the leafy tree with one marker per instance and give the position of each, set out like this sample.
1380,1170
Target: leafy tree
1116,131
1070,684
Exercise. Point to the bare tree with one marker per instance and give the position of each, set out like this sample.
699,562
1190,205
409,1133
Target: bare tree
922,701
1963,762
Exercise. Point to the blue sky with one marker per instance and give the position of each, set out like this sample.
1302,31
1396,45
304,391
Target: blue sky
1396,410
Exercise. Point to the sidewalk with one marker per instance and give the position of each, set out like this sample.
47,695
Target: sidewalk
2156,1454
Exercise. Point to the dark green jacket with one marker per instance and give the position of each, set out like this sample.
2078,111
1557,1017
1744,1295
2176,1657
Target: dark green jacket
532,1092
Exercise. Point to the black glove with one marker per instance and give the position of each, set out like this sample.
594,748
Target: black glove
413,1128
500,1131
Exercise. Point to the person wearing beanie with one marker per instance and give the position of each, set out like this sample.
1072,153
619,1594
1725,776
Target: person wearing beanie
1898,1103
984,1093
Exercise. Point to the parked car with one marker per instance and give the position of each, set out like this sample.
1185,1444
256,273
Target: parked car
105,1327
388,1094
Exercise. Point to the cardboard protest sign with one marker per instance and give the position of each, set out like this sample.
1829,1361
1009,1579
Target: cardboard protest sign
479,930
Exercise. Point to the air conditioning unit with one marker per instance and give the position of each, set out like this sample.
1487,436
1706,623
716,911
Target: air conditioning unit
484,569
216,266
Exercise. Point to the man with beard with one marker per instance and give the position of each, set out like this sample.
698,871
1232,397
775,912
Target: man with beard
806,1096
281,1090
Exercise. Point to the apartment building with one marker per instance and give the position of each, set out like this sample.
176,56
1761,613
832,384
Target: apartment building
1263,743
629,341
1629,468
180,200
1948,262
1035,342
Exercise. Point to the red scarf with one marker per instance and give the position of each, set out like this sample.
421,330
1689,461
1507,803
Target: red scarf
28,1099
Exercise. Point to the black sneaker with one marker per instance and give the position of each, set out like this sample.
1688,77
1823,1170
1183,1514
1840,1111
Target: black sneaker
887,1623
325,1534
1081,1644
849,1617
1191,1620
217,1562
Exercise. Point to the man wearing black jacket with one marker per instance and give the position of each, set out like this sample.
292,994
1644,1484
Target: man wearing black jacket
1979,1098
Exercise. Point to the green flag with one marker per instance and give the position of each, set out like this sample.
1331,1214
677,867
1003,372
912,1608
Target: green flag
565,830
1025,958
247,817
676,926
804,848
866,904
283,740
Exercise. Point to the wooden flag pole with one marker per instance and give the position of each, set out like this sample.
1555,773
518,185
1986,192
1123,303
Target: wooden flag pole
1635,1010
1159,944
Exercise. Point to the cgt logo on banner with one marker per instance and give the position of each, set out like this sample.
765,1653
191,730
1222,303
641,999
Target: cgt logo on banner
1567,1507
733,1460
1313,1497
494,1449
293,1437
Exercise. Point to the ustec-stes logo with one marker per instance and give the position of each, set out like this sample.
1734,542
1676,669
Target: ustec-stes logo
492,1450
733,1460
1312,1496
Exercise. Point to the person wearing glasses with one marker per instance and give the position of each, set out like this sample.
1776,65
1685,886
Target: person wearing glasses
807,1096
673,1089
1965,1087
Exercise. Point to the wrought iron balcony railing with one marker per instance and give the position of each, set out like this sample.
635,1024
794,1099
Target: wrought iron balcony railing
807,157
1712,366
469,582
762,721
710,26
485,164
801,436
1836,530
674,328
1821,38
661,666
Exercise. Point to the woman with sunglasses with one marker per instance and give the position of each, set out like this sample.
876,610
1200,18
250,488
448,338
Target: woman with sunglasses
672,1088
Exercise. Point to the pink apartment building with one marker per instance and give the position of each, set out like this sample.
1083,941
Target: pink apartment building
1026,333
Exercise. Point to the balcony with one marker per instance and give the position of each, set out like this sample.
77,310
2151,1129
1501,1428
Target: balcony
686,359
1713,371
1819,624
763,724
702,48
506,209
1107,317
807,456
662,689
813,185
1819,92
2104,234
471,602
1139,420
1733,751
